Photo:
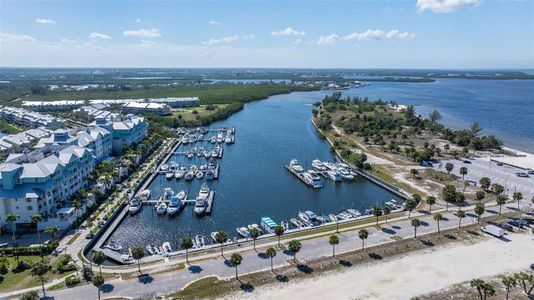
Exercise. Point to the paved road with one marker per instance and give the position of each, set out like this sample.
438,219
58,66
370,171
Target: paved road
253,261
504,175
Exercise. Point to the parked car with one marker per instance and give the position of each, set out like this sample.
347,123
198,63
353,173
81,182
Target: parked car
522,174
500,164
507,227
89,235
530,171
467,161
532,267
515,223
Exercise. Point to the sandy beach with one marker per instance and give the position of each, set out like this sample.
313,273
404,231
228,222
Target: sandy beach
411,275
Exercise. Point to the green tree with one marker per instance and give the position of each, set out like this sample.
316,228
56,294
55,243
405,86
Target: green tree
39,270
497,188
12,218
518,196
221,237
460,214
415,223
483,288
279,231
235,261
438,217
410,205
363,234
98,281
480,195
479,210
99,258
294,247
254,234
501,200
186,243
77,207
414,173
463,172
52,230
35,220
31,295
509,283
271,253
386,211
449,167
430,200
434,116
377,212
485,183
333,240
449,194
525,280
137,254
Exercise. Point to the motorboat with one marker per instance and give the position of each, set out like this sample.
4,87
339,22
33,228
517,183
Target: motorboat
207,154
174,205
311,215
181,195
150,249
144,195
342,165
213,140
313,180
161,208
190,155
164,167
201,202
334,175
179,174
166,247
318,165
330,166
243,231
203,167
285,225
199,175
210,174
354,213
167,194
368,211
345,174
267,224
254,226
305,219
344,216
323,219
169,174
135,205
332,218
294,165
200,241
113,246
297,223
204,191
185,139
228,140
156,249
172,166
189,175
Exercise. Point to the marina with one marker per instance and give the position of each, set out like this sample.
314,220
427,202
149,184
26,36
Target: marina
253,186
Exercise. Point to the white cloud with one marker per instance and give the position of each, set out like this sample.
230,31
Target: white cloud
298,41
229,39
6,37
69,41
216,23
444,6
99,36
287,31
45,21
138,20
143,33
328,39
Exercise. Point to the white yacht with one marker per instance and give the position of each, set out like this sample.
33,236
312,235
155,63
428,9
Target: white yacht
334,175
203,167
169,174
161,208
313,180
255,226
294,165
185,139
210,174
164,167
199,175
243,231
201,202
332,218
175,204
200,241
189,175
297,223
285,225
135,205
345,174
167,194
179,174
190,155
144,195
354,213
318,165
113,246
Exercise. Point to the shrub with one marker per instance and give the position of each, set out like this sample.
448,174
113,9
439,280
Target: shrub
32,295
23,265
4,268
72,280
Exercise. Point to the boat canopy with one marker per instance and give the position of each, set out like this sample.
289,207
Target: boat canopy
269,222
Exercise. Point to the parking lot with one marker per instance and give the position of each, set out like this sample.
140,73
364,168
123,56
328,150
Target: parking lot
504,175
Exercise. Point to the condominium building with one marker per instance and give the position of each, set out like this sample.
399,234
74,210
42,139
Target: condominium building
147,108
43,186
27,118
126,130
22,141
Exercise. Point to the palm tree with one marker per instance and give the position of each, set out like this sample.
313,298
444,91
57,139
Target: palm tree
254,234
517,196
415,223
271,252
463,172
377,212
497,188
235,260
186,243
12,218
485,183
98,281
221,237
39,270
35,219
363,234
501,200
333,240
484,289
438,217
480,195
294,247
279,231
460,214
52,230
386,211
137,254
509,282
479,210
414,173
430,200
410,205
99,258
449,167
77,206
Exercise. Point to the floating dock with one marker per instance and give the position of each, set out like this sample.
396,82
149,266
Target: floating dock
210,199
298,175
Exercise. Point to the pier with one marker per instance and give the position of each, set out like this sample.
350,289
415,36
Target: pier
299,176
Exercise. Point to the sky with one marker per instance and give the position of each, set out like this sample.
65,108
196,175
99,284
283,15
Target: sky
268,34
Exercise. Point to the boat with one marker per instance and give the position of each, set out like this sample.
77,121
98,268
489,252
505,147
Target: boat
167,194
203,167
243,231
200,206
255,226
334,175
173,166
207,154
214,154
144,195
332,218
174,205
135,205
297,223
190,155
214,236
330,166
164,167
204,191
156,250
228,140
343,216
210,174
313,180
294,165
323,219
113,246
342,165
179,174
189,175
161,208
199,175
169,174
185,140
368,211
285,225
345,174
354,213
318,165
267,224
150,250
166,247
311,215
213,140
199,241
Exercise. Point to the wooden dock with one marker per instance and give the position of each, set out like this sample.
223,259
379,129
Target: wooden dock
210,199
